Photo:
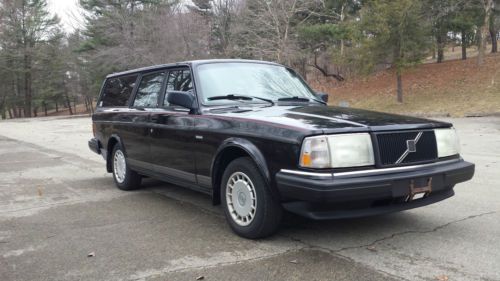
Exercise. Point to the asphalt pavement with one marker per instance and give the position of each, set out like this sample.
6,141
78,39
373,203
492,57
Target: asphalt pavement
61,218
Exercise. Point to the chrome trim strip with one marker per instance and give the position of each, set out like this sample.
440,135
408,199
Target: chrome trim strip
302,173
393,170
369,172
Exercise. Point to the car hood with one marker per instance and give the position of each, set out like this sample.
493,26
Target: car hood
327,119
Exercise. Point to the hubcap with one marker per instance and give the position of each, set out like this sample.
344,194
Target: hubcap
241,198
119,166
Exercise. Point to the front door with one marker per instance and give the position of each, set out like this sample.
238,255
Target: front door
172,136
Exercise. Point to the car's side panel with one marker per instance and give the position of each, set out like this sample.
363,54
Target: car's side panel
133,130
267,145
172,144
130,125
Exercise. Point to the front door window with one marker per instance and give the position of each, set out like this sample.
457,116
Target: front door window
149,90
178,80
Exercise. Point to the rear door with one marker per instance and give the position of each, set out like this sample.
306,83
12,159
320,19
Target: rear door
172,137
113,114
145,102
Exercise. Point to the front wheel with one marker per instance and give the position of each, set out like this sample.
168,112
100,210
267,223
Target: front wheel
125,178
249,207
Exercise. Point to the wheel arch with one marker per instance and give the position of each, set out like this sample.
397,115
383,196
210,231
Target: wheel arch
230,150
112,141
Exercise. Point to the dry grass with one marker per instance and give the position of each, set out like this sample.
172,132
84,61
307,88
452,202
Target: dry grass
455,88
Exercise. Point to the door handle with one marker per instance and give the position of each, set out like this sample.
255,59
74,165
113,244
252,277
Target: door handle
153,118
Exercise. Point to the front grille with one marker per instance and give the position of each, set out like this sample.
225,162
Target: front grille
392,146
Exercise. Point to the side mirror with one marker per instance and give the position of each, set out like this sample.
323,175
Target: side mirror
184,99
322,96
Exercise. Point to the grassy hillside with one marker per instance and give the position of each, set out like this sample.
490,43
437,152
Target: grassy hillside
457,88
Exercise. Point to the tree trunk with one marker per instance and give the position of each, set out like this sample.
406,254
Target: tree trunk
494,42
27,85
464,45
440,48
400,86
483,34
68,102
35,111
3,108
57,106
11,116
91,102
454,42
45,108
342,18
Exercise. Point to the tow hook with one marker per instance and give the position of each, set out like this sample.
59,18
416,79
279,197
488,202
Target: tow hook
417,191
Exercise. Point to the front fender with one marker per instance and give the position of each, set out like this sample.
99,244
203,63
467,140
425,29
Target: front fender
250,149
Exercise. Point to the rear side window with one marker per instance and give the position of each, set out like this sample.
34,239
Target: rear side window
117,91
149,90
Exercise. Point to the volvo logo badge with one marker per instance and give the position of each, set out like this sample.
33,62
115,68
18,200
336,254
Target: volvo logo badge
411,147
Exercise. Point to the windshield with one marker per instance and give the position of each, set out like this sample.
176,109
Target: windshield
257,80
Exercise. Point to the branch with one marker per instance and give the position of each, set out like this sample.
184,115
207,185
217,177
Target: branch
325,73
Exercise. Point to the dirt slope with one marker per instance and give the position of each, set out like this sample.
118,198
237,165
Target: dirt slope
457,88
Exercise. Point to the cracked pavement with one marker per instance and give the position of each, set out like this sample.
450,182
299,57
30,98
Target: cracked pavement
58,204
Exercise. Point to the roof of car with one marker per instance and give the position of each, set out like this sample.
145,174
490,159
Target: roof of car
186,63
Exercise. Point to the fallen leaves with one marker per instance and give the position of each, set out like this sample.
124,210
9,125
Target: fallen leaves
442,278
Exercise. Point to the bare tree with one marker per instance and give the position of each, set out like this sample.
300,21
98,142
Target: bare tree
484,31
268,28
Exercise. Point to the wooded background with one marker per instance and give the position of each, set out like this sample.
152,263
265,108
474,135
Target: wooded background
44,68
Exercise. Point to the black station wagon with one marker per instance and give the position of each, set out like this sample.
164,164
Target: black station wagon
255,137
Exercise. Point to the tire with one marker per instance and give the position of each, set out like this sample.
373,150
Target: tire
243,179
129,180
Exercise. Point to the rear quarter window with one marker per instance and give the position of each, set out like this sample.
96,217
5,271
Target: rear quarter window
117,91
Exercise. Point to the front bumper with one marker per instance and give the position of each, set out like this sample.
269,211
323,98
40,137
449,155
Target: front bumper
348,195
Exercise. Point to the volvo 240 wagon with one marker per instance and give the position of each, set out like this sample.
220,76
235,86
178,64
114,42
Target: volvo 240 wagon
259,140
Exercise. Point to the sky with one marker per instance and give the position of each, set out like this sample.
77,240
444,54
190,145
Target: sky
68,11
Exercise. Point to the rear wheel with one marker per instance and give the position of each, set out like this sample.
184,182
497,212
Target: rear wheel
125,178
250,209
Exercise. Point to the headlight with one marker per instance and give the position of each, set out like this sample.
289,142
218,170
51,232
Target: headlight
447,142
337,151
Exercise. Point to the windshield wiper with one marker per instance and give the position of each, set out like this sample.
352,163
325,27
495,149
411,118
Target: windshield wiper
239,97
296,98
300,99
